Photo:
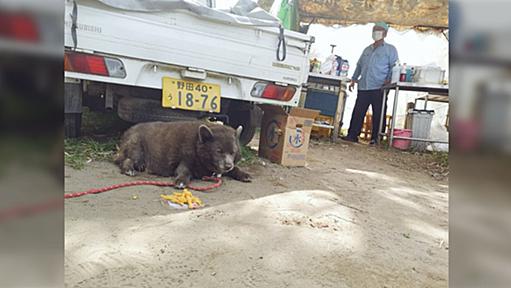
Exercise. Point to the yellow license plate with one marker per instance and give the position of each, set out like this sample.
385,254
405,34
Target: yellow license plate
190,95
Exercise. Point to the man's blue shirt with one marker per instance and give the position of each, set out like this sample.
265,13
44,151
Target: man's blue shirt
375,66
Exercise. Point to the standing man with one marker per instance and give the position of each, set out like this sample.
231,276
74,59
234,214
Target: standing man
374,69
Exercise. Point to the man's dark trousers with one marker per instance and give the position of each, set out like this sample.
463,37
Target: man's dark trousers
364,99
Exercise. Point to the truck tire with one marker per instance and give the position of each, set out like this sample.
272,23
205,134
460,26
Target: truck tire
72,125
138,110
249,119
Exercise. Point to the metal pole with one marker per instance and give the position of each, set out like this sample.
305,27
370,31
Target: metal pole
380,125
421,139
393,120
339,111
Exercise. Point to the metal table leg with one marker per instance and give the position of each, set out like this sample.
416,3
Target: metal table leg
339,111
380,126
393,120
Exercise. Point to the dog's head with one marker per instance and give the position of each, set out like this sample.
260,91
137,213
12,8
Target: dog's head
218,147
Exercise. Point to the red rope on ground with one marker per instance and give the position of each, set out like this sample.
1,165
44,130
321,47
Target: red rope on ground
217,183
27,210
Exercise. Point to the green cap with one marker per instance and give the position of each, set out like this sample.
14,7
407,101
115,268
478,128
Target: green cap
382,25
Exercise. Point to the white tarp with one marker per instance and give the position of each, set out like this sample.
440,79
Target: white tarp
245,12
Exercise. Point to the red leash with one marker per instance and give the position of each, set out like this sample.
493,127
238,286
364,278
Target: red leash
28,210
217,183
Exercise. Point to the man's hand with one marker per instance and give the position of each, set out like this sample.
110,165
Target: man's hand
352,85
386,82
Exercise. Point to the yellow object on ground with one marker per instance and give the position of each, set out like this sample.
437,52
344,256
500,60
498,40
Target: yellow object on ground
183,198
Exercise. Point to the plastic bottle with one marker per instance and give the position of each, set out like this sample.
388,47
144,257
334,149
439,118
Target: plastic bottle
402,76
396,70
412,72
317,67
334,67
409,74
345,68
339,66
313,64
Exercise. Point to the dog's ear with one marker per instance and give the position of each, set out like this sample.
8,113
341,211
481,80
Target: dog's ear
205,134
238,131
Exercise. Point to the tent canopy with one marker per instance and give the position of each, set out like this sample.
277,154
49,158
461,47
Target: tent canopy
401,14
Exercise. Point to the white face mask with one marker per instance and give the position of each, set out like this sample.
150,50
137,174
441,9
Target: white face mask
377,35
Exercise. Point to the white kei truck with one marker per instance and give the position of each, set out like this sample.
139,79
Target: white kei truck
173,60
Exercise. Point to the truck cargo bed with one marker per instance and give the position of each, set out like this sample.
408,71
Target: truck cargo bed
181,38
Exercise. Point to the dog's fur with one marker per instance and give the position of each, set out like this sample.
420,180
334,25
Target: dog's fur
186,150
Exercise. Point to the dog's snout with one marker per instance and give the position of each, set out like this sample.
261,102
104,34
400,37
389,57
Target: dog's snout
228,162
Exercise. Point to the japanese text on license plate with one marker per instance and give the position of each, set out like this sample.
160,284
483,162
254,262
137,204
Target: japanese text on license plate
190,95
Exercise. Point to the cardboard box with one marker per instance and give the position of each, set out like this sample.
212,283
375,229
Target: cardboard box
285,137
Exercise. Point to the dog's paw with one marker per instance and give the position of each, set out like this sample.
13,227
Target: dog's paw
130,172
243,177
140,167
182,182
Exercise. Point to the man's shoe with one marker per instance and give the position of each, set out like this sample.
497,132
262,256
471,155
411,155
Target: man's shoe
349,139
373,142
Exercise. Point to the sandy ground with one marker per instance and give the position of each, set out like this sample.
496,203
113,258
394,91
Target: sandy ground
354,217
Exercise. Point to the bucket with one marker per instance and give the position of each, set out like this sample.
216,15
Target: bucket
401,143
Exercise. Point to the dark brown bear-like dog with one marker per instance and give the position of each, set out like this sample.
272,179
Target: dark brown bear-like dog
183,149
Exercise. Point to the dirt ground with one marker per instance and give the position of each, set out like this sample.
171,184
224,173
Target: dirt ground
355,216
